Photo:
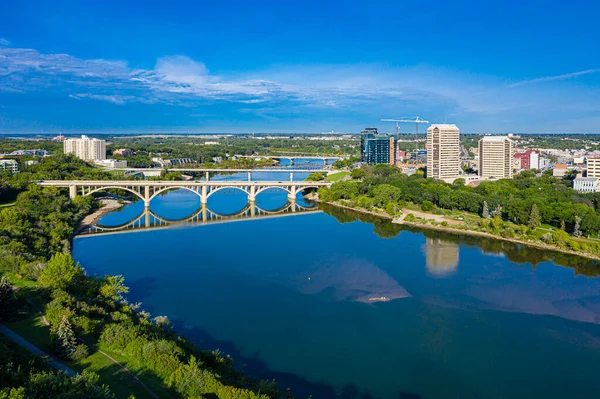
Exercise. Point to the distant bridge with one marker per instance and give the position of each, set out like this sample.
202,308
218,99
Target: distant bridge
146,190
148,219
208,171
292,158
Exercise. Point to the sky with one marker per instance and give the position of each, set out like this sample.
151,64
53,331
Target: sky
298,66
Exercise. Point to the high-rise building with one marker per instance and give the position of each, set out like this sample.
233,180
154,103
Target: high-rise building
496,154
593,167
443,152
376,148
86,148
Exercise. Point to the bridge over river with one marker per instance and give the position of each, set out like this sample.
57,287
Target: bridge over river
146,190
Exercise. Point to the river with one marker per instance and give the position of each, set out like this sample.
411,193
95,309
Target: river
338,305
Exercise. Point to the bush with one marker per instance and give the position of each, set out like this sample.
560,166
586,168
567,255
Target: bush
427,206
410,218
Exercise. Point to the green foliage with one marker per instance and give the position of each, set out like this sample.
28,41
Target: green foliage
427,206
358,173
486,211
534,218
60,272
65,339
8,301
315,177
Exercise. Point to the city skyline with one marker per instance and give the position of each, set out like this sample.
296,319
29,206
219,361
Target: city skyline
297,68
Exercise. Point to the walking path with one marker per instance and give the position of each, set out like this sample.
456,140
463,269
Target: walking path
35,350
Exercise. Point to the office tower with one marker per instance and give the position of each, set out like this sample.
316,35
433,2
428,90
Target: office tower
443,152
377,148
86,148
496,154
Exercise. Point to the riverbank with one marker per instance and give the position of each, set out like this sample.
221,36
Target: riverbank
426,224
106,206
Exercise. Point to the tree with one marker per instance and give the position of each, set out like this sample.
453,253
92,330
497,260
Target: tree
486,211
426,206
60,272
358,173
65,339
7,299
114,288
562,225
534,218
577,228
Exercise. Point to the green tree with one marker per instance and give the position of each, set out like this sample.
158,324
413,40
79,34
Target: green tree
65,339
114,287
486,211
534,217
60,272
577,228
427,206
358,173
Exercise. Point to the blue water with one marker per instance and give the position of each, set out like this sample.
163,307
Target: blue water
291,298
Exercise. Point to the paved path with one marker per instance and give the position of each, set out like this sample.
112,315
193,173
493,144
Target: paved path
35,350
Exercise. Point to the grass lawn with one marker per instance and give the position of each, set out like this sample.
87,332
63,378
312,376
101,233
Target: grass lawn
336,176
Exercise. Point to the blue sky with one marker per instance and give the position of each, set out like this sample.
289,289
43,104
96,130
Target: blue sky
298,66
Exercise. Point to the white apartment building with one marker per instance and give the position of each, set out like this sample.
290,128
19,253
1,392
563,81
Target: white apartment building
496,154
586,184
443,152
86,148
593,167
9,164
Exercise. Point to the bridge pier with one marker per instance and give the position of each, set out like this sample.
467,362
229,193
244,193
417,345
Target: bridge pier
252,194
249,176
207,176
292,194
146,197
72,192
204,196
291,161
291,176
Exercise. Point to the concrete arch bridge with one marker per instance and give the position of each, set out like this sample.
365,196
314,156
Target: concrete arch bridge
147,190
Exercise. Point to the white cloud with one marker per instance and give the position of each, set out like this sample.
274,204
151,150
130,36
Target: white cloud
553,78
4,42
366,89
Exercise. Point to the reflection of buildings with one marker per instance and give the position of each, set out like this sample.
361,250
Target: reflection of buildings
441,257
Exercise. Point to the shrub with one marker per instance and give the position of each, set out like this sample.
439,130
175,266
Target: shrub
410,218
427,206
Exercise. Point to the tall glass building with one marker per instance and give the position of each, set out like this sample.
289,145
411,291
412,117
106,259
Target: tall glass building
377,148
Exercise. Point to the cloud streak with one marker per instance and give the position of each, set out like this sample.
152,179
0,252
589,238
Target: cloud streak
4,42
553,78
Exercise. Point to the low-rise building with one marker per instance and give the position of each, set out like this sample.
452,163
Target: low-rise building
559,170
125,152
9,164
586,184
111,163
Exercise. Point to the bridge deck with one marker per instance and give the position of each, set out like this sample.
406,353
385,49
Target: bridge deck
177,183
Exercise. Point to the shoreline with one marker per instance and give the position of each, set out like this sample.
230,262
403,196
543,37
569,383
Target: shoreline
456,231
108,205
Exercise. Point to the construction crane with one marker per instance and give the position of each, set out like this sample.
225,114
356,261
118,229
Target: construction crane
416,120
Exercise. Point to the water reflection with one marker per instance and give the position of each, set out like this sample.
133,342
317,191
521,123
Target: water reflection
441,256
147,219
514,252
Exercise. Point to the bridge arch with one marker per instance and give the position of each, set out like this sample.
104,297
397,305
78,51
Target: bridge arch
211,192
162,190
283,188
140,196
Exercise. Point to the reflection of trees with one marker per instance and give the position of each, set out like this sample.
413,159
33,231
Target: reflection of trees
382,227
515,252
